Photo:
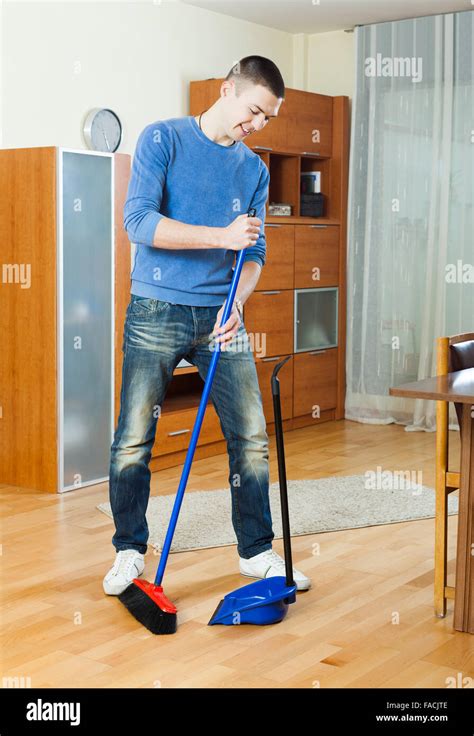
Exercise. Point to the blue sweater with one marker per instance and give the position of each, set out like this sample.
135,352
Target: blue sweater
178,172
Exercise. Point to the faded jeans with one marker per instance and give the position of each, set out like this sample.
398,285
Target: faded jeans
157,335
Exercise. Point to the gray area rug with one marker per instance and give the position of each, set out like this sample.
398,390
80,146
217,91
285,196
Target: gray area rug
321,505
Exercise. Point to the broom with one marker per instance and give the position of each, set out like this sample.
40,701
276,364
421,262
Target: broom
146,601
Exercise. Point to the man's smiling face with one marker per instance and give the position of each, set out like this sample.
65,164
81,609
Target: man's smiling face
249,111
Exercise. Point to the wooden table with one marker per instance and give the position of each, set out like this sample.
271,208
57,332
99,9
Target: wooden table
457,386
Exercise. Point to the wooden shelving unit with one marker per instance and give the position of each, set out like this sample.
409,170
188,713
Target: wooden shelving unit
311,133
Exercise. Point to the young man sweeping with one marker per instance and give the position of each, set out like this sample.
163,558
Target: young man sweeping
192,183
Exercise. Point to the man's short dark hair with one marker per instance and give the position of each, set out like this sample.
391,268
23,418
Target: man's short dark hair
257,70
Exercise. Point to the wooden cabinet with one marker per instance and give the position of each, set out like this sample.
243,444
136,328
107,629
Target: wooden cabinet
268,317
61,217
315,382
174,430
316,256
265,368
309,128
278,272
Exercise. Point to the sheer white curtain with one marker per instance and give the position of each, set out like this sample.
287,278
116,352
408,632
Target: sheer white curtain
411,235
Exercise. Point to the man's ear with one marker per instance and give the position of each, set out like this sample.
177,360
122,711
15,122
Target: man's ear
226,87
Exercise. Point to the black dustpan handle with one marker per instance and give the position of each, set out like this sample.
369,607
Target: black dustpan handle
285,520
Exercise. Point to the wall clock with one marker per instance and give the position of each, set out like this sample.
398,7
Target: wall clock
102,130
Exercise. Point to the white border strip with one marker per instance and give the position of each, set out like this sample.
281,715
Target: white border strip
60,312
59,321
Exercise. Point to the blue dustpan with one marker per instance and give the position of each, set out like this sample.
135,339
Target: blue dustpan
262,602
265,601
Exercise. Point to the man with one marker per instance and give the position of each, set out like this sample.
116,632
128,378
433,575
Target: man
193,182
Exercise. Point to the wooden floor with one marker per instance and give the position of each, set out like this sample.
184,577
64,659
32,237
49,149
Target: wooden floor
368,620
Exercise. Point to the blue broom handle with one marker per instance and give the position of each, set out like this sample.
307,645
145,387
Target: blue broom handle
200,416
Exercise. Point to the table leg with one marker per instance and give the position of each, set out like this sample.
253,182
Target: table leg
464,593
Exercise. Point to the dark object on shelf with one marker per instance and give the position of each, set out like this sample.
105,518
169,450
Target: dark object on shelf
310,182
312,205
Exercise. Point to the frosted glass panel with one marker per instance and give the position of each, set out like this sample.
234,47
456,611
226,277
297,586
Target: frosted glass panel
88,317
316,319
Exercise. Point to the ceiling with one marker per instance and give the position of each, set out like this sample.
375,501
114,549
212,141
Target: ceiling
311,16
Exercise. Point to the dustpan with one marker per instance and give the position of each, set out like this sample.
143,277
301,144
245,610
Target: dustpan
262,602
265,601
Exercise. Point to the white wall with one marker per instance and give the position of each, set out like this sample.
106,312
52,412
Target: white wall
331,63
61,59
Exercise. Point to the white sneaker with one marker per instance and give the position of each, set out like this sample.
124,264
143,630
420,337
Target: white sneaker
267,564
129,564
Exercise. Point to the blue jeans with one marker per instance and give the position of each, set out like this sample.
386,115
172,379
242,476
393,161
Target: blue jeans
157,335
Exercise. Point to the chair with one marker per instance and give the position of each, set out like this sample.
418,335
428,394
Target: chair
453,354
